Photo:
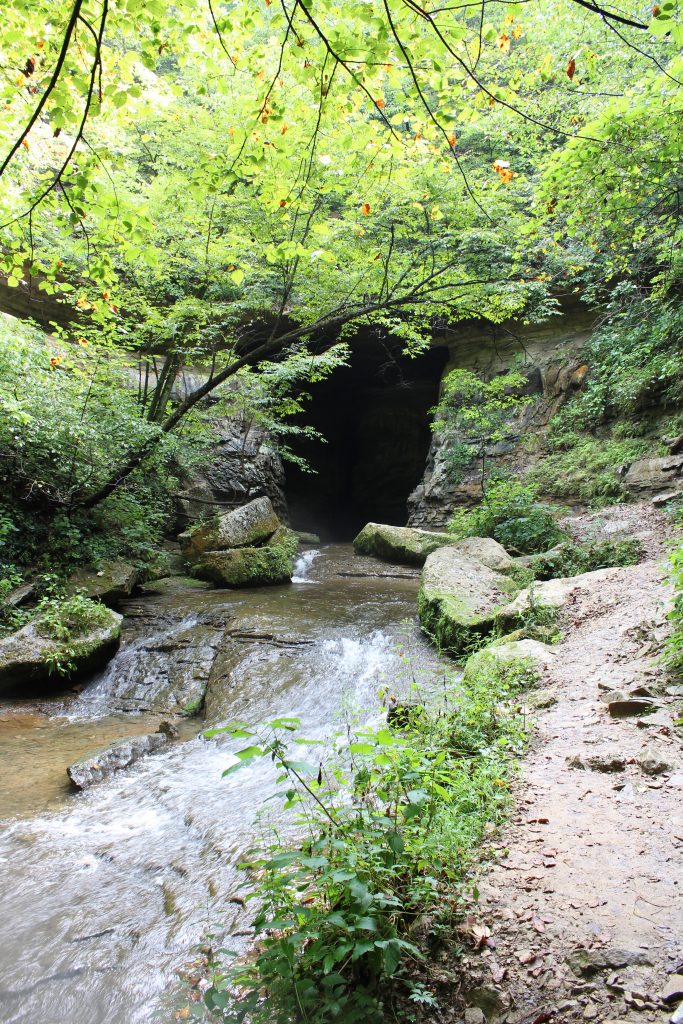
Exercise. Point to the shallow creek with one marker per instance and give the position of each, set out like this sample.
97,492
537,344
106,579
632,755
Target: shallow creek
106,894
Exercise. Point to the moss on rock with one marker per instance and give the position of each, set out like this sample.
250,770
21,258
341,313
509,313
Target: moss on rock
459,599
252,567
399,543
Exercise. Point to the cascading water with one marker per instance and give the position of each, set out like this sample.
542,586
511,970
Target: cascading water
108,896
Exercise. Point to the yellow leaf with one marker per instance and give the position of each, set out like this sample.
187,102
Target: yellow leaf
503,43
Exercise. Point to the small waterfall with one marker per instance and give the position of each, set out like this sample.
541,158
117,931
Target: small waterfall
303,565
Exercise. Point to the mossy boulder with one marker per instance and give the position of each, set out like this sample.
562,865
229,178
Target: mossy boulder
249,526
401,544
111,583
520,653
252,566
460,598
32,654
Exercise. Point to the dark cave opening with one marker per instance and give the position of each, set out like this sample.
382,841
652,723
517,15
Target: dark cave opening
375,417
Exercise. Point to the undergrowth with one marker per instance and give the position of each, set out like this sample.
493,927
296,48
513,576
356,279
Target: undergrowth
388,825
511,513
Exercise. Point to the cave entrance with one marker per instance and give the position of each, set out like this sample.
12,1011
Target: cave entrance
374,415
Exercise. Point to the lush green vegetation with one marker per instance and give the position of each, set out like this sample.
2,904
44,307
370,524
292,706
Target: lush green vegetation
386,829
510,513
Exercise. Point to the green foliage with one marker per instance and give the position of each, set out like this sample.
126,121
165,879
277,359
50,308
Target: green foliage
510,513
673,655
473,414
388,827
573,559
66,620
582,465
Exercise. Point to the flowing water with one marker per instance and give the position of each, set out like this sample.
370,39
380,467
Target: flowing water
108,893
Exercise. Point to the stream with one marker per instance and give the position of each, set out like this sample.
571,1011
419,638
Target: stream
108,893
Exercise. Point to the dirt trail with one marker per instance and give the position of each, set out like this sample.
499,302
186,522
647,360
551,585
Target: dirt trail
584,903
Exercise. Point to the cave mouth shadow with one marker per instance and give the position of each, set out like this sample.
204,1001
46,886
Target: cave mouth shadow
375,417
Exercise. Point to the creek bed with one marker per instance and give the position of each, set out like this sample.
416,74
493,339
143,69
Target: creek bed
108,893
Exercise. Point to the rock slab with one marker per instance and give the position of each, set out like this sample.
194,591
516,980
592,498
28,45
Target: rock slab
459,599
96,767
249,526
401,544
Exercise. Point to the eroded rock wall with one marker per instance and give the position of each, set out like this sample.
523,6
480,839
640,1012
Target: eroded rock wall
549,355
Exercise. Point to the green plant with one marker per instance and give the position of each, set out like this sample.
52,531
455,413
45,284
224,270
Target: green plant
583,466
571,559
673,652
66,620
388,827
473,414
510,513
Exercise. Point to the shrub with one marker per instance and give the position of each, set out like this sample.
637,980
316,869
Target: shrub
510,513
574,559
390,823
673,653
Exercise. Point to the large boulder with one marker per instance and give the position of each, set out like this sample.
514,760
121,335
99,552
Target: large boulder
251,566
551,595
120,754
520,653
401,544
651,476
32,654
460,598
111,583
248,526
487,551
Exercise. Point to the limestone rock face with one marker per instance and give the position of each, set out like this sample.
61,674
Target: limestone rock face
504,654
27,655
248,526
399,543
96,767
243,466
651,476
460,598
251,566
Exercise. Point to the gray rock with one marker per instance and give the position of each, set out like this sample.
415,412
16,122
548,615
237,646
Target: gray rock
167,673
541,699
490,1000
652,764
585,962
252,567
651,476
28,656
487,551
248,526
111,583
553,594
174,585
401,544
630,706
96,767
474,1015
608,761
521,652
459,599
673,990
